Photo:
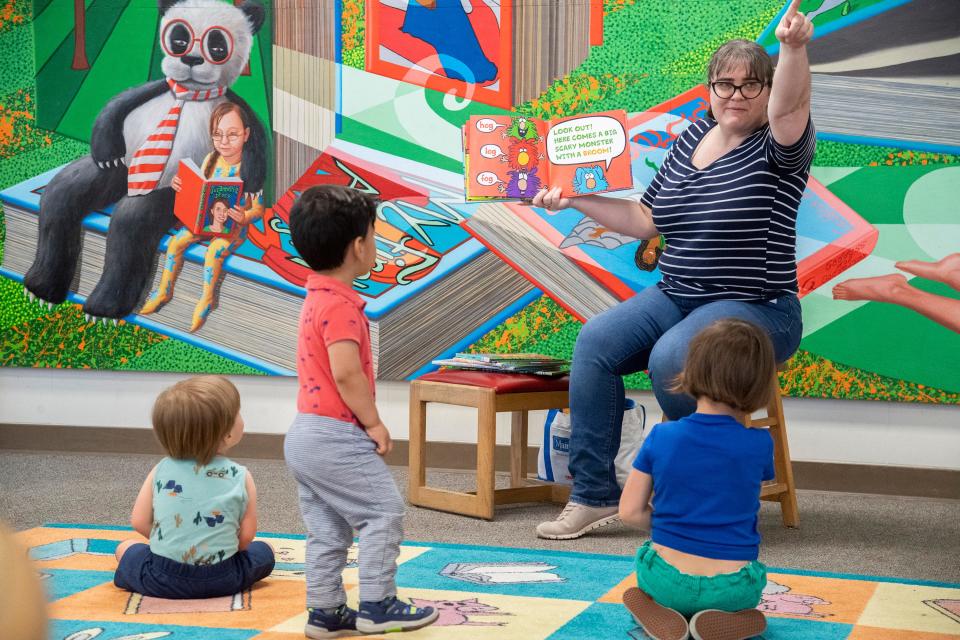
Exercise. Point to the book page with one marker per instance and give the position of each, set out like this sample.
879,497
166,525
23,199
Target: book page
589,154
504,157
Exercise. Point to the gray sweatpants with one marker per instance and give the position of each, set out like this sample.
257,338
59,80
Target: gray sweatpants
344,485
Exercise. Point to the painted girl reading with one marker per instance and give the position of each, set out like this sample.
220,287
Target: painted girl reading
229,131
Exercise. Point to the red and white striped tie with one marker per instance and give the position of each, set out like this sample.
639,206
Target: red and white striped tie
148,162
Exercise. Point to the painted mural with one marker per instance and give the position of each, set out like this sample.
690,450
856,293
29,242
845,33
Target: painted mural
372,94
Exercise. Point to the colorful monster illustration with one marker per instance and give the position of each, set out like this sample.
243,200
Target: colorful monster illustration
522,156
777,598
522,129
523,184
457,612
589,180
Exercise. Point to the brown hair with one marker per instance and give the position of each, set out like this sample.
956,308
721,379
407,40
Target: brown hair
731,361
216,116
736,52
191,418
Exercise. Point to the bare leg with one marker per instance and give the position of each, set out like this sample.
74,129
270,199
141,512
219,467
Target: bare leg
945,270
894,289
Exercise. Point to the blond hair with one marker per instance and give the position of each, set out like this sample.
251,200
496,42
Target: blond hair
733,362
191,418
23,605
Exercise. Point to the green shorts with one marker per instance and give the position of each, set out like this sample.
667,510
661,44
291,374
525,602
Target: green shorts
689,594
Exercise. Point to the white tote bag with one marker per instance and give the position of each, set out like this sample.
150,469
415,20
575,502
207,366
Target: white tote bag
553,463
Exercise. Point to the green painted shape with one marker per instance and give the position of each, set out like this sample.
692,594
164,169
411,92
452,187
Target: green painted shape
15,307
459,117
181,357
120,67
16,68
52,26
894,341
828,175
59,86
39,6
362,134
878,193
895,242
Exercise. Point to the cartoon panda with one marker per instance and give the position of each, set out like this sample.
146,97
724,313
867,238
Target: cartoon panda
136,145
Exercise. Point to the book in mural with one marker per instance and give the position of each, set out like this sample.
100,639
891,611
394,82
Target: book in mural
433,289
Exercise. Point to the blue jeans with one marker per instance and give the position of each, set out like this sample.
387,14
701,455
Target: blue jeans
142,571
649,331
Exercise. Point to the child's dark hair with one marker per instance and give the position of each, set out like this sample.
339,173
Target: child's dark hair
733,362
191,418
324,221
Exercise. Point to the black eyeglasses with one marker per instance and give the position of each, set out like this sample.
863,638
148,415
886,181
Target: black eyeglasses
749,90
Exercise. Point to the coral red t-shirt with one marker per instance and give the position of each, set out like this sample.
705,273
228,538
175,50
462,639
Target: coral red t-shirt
332,311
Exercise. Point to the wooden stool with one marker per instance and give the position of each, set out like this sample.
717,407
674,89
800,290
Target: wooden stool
782,489
489,393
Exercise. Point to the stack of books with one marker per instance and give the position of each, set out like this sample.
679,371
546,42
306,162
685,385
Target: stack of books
528,363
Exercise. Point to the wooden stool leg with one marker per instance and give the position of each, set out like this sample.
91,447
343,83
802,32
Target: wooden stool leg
782,465
486,447
518,448
418,444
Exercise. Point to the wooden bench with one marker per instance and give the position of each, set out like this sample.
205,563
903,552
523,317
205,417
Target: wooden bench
489,394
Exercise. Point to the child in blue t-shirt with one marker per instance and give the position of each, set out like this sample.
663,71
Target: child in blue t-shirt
704,474
197,507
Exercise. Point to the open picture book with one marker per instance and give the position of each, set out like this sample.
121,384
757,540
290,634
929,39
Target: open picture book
513,157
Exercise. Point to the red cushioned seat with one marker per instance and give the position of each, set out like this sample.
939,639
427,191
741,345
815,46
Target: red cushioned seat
499,382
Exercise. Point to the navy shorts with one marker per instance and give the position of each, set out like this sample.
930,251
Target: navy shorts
142,571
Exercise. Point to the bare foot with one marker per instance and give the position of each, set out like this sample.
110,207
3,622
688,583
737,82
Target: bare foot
880,288
945,270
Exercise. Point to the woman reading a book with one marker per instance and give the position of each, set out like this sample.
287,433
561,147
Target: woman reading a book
229,131
725,199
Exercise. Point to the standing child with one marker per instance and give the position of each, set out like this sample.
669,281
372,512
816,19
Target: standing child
704,472
229,132
335,444
197,507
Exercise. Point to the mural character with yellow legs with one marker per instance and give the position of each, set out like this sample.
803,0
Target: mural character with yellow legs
229,130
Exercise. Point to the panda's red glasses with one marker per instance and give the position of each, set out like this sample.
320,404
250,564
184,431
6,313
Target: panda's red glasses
216,42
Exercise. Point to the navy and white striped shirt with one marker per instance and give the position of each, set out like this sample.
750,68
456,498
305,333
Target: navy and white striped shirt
730,228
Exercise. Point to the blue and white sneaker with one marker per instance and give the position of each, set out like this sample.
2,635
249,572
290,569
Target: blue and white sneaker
391,615
340,624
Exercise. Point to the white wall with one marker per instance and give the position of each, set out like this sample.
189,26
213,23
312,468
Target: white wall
820,430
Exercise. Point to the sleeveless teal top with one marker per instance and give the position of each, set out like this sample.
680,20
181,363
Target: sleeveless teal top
197,510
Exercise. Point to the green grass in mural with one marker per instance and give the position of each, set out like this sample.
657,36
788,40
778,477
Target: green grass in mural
352,48
808,375
177,356
847,154
62,339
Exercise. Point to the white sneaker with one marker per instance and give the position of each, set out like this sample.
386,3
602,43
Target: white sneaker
576,520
